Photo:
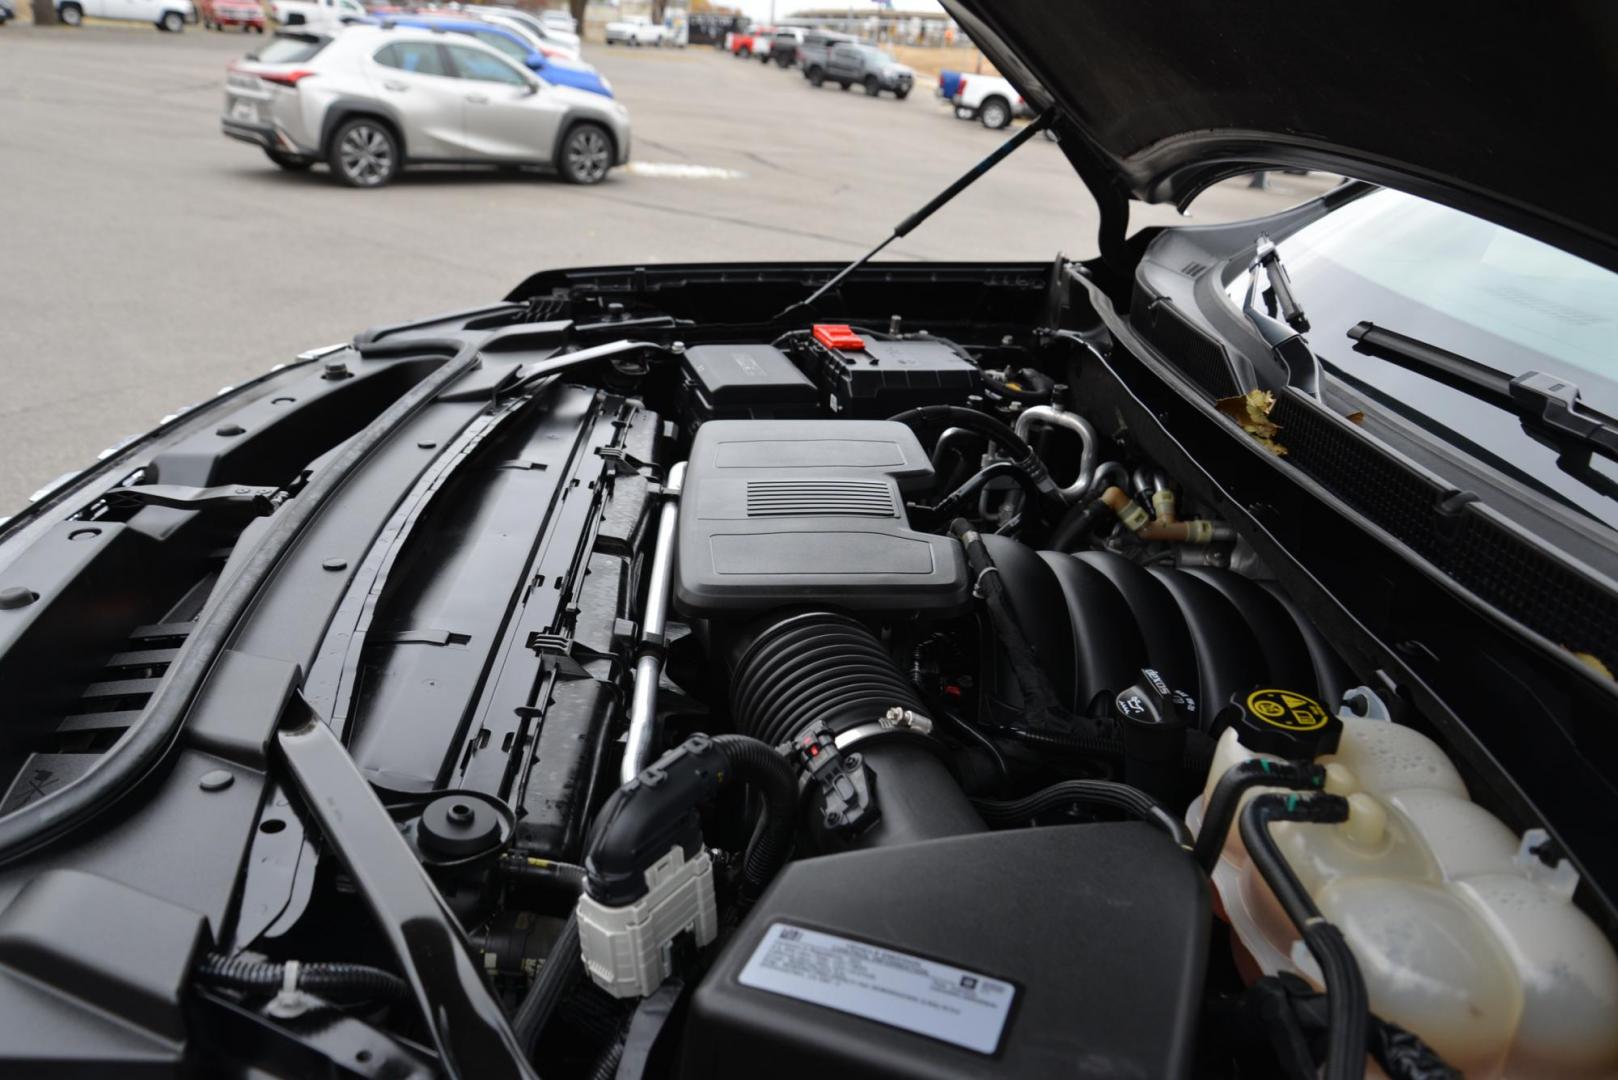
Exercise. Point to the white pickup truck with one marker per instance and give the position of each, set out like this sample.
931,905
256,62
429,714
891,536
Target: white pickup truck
169,15
990,99
325,16
638,30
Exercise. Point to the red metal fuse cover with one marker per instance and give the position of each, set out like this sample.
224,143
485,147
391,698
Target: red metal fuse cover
838,336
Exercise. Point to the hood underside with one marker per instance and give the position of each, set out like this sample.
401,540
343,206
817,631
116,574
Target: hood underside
1494,110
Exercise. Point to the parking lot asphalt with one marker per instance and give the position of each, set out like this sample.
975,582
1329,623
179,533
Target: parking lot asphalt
146,260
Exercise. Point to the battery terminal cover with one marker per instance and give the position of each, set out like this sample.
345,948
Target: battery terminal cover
838,336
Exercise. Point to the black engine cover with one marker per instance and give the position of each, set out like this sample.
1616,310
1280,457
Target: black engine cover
788,512
1099,930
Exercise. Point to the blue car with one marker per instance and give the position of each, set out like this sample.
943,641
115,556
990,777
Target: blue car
514,45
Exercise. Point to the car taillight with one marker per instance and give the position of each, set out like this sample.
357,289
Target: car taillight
285,78
960,87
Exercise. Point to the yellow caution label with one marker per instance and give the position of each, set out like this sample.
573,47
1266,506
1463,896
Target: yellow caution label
1288,710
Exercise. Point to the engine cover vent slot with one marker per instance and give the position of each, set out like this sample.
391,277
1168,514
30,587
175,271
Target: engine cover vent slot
831,497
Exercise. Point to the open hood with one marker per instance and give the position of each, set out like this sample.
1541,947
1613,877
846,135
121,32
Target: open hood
1495,110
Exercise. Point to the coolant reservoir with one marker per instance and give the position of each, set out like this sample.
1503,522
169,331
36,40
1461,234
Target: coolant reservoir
1462,934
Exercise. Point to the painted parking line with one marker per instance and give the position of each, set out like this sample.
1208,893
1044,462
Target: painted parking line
679,170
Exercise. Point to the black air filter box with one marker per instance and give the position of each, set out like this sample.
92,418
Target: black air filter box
810,511
1065,951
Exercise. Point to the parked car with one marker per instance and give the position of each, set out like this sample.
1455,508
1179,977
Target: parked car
742,43
373,99
8,11
546,46
321,16
515,45
636,31
989,99
784,46
560,21
709,28
167,15
815,49
560,27
850,63
224,14
553,42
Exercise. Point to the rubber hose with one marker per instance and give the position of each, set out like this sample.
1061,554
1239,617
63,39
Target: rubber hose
1227,796
1080,520
971,419
332,981
1347,1000
776,783
555,979
1100,792
568,876
815,666
981,479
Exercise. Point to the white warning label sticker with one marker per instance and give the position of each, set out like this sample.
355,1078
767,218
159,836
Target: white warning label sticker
894,988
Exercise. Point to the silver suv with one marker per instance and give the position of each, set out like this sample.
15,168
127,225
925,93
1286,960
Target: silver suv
370,100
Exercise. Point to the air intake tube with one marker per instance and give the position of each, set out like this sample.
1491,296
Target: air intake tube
821,683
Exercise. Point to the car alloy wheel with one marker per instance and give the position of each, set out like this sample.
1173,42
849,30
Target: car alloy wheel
365,154
71,14
994,114
587,155
173,22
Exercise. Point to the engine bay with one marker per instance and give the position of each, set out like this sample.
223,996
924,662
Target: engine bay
878,696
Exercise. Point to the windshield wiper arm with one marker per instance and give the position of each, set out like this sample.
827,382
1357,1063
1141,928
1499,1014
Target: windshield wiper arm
1548,403
1285,339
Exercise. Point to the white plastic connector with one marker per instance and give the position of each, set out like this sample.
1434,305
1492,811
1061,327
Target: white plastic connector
629,950
1559,878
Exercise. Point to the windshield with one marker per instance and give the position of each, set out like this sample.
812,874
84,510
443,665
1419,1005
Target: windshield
1543,303
1473,288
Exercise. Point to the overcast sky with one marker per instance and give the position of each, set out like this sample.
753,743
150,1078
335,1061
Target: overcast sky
760,9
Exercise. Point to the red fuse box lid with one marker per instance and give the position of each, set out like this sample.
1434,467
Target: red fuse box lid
838,336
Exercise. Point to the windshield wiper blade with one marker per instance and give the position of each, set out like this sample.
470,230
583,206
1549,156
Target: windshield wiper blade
1549,405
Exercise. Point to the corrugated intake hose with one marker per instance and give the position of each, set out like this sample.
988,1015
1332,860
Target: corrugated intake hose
815,666
555,979
1099,792
335,982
